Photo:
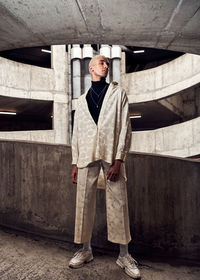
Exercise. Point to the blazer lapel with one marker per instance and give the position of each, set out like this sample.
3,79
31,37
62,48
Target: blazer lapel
86,109
109,90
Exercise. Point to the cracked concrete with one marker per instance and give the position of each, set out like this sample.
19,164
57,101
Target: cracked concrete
160,24
29,257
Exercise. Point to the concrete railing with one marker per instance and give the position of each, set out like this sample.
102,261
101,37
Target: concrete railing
46,136
181,140
164,199
162,81
26,81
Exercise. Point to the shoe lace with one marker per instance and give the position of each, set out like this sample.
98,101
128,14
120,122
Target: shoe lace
79,252
131,260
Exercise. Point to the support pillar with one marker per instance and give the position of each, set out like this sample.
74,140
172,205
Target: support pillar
105,50
61,98
87,55
76,55
116,63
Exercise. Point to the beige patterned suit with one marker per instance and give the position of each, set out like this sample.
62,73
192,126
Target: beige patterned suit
95,147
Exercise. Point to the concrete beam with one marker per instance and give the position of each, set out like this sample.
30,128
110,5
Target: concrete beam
163,24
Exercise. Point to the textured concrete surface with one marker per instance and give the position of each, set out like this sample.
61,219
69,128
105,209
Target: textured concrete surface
179,140
31,82
163,24
164,199
162,81
28,257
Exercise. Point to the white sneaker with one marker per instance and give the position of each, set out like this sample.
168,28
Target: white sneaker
129,265
80,258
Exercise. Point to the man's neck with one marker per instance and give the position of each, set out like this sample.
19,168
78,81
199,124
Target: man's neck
96,79
101,80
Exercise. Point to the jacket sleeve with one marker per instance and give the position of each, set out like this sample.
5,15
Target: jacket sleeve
125,132
75,140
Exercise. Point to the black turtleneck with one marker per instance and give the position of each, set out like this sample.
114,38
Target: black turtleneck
95,97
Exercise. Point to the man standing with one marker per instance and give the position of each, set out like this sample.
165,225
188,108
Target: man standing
101,139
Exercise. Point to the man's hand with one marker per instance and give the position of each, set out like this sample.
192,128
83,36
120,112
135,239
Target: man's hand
114,170
74,174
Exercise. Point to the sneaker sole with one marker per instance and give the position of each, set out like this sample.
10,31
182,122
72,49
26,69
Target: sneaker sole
126,271
82,264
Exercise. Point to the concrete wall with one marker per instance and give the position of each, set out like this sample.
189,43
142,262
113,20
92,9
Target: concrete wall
181,140
162,81
164,199
31,82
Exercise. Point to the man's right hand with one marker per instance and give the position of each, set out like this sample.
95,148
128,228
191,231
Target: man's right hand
74,174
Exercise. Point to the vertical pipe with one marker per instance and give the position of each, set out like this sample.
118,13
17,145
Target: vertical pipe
87,77
105,50
76,70
116,63
87,55
76,77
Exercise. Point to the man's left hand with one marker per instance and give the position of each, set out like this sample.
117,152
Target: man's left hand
114,170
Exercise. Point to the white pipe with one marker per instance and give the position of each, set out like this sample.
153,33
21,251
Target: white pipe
116,63
76,55
87,55
87,76
116,66
106,51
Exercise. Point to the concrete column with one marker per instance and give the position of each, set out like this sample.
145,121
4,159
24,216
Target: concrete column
87,55
105,50
116,62
70,91
61,104
76,55
123,69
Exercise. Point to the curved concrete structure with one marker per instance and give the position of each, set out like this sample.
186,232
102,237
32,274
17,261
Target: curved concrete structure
37,195
162,81
32,82
162,24
181,140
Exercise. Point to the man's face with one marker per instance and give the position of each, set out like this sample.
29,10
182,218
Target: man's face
100,67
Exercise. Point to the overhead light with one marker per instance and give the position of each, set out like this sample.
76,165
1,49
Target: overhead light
139,51
135,116
8,113
47,51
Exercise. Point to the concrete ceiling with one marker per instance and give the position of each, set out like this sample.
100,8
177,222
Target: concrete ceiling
166,24
24,106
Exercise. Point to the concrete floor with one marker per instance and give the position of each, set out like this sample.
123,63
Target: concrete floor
25,256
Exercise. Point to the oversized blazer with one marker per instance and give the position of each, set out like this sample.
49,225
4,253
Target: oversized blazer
107,140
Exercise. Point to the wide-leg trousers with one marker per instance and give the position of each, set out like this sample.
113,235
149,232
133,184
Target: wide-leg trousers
116,205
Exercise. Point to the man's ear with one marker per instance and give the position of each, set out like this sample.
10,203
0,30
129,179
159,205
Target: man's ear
90,69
